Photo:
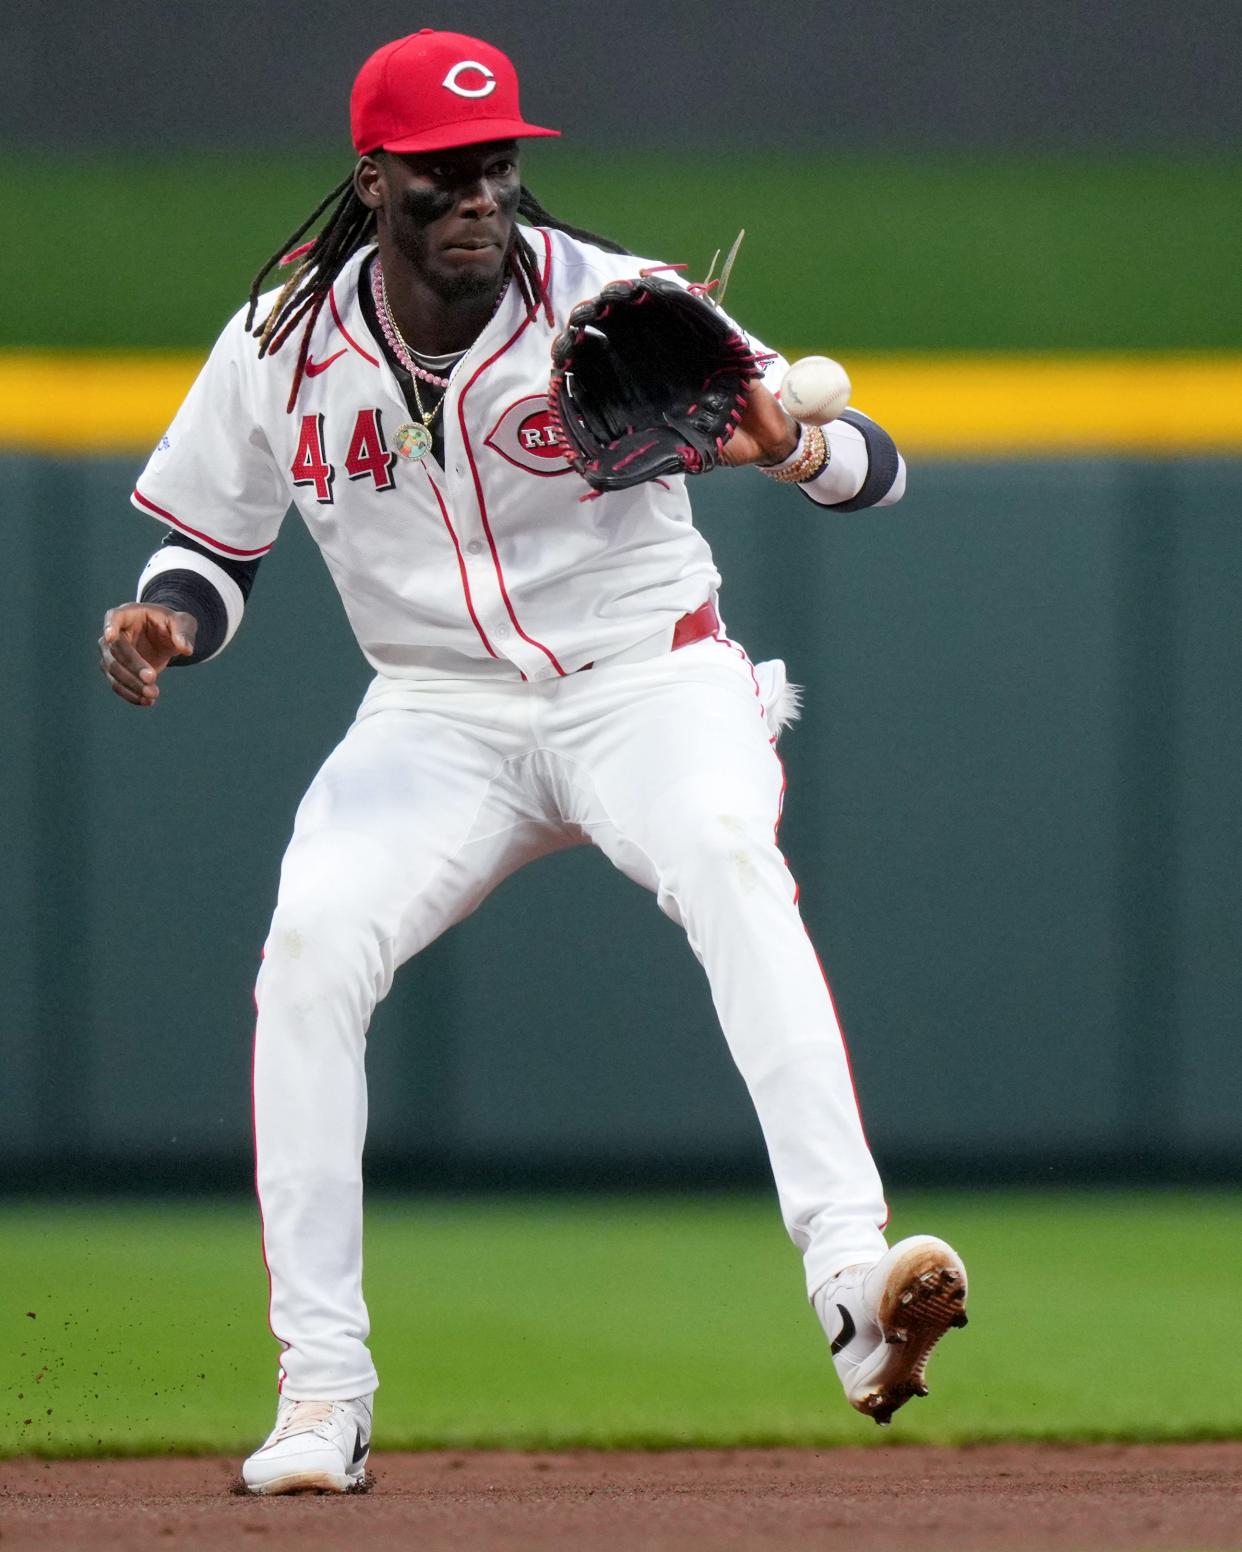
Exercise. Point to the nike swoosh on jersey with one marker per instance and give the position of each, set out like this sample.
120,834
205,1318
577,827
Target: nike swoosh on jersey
846,1334
313,368
361,1446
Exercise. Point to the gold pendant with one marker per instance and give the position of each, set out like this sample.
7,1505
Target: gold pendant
412,441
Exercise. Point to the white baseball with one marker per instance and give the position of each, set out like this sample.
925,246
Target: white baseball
815,390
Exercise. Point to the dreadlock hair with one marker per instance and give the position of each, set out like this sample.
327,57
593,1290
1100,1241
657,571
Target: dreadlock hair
531,210
350,226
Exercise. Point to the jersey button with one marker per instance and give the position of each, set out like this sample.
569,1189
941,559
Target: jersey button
475,547
501,632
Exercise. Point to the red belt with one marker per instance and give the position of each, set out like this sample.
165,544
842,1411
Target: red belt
698,626
704,622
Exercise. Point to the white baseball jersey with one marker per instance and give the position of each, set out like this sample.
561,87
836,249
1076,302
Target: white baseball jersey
489,565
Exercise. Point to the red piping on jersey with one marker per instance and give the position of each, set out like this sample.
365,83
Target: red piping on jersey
478,484
461,565
819,964
228,549
349,339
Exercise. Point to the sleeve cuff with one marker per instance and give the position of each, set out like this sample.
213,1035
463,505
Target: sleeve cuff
865,469
153,509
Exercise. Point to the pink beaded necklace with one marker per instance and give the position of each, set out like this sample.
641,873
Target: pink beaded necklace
396,341
413,440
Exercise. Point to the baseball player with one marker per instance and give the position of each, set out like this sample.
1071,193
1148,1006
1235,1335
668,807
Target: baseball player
547,673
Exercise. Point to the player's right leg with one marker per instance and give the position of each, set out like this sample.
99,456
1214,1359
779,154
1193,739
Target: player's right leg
411,821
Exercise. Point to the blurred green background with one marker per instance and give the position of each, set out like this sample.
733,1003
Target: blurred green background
1013,795
982,249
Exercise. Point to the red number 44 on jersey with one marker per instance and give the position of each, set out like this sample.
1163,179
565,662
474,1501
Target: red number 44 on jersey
368,455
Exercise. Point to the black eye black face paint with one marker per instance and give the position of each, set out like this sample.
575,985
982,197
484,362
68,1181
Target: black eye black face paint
428,203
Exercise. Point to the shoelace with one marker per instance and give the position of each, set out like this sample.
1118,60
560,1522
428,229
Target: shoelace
304,1417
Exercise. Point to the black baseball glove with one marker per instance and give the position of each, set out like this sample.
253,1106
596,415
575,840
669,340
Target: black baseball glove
648,379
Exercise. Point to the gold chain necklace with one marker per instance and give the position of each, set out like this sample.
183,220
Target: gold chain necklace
427,416
413,440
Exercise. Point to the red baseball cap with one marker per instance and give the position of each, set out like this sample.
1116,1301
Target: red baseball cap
435,90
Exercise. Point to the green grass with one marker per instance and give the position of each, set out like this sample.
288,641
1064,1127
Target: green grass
842,253
619,1322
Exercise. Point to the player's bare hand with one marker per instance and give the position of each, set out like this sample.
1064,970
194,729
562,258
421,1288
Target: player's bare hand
767,434
138,643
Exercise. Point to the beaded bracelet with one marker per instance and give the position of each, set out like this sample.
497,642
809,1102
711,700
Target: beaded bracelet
809,458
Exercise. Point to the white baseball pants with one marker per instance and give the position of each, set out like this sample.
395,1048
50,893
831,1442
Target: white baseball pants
438,792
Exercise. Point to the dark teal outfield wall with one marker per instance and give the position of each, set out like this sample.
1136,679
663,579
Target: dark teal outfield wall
1013,811
814,74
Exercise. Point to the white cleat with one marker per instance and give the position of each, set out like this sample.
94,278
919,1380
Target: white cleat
315,1447
883,1319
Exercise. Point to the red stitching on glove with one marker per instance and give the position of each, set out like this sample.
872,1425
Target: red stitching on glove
630,457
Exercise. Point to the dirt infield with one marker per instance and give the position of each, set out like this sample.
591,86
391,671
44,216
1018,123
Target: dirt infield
1149,1497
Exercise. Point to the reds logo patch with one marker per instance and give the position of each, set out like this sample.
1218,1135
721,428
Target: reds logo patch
485,80
526,435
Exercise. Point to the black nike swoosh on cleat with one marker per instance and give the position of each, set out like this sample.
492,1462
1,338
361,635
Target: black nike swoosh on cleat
846,1334
361,1446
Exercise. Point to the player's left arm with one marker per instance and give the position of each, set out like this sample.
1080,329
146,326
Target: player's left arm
767,434
862,467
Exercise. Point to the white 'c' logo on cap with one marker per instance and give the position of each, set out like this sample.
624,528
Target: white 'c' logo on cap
454,85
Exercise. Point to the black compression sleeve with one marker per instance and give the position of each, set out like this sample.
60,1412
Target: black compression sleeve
187,590
241,571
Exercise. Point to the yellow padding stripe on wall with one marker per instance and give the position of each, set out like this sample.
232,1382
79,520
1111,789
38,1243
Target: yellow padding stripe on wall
933,405
993,405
